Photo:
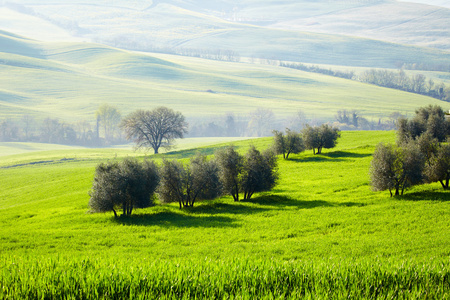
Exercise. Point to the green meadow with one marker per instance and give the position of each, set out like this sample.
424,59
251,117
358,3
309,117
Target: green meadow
320,234
70,80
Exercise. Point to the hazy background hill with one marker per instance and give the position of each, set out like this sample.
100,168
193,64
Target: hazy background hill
63,58
282,30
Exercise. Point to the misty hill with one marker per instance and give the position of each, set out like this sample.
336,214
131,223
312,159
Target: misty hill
70,80
355,33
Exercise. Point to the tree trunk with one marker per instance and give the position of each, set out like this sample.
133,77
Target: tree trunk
156,149
115,213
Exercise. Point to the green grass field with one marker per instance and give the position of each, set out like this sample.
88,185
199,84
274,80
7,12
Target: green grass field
321,233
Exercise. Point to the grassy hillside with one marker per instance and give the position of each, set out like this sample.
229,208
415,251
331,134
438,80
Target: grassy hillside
70,81
266,29
320,232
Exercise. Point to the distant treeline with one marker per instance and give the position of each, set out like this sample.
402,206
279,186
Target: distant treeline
145,46
426,67
317,69
418,84
52,131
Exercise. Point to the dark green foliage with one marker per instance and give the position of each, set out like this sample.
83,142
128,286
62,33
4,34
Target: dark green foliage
155,129
438,166
321,137
288,143
259,172
231,164
127,185
395,169
186,184
430,119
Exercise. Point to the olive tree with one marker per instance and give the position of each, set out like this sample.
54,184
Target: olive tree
396,168
187,183
320,137
288,143
230,164
156,128
429,119
123,185
437,168
259,172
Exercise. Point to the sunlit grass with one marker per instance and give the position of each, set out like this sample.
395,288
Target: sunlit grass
321,233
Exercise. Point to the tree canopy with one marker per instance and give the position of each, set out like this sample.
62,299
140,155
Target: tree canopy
156,128
127,185
185,184
288,143
317,138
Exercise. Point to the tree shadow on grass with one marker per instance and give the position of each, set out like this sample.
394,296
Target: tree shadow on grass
426,196
284,201
227,208
180,154
331,156
173,219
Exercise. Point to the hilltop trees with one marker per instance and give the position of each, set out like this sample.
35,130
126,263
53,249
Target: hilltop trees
321,137
288,143
156,128
123,185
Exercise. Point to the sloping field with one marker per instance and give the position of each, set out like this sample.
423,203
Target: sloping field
320,232
70,81
265,29
397,22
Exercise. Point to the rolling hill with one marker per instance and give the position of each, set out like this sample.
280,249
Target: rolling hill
356,33
70,81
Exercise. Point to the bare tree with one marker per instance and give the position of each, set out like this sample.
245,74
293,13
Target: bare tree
28,122
155,129
261,122
108,117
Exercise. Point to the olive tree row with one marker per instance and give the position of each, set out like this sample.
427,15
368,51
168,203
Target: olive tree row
129,184
315,138
420,155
